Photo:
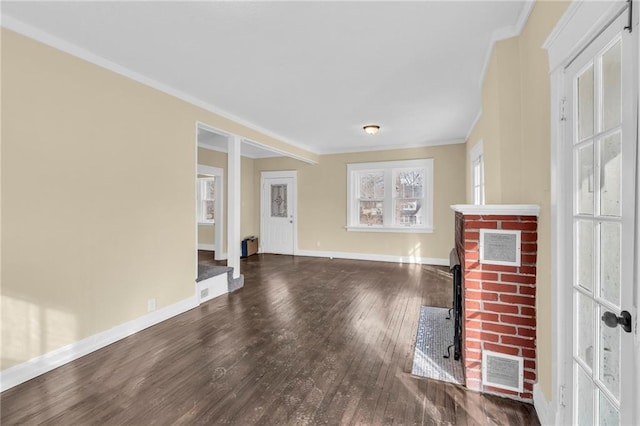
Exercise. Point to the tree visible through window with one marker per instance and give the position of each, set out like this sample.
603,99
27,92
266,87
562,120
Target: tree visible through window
371,198
408,197
390,195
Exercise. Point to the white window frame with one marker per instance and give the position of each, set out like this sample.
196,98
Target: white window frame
202,181
476,160
390,168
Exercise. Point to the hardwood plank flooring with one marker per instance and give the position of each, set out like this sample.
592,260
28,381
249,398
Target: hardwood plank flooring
306,341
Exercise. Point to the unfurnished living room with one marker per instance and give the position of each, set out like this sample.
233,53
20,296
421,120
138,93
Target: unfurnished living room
320,212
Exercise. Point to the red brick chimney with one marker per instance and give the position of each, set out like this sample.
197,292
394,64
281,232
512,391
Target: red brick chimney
497,248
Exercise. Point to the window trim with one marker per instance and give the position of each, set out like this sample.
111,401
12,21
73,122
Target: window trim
477,154
390,169
201,199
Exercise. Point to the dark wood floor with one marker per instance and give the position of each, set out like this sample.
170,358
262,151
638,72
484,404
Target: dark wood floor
306,341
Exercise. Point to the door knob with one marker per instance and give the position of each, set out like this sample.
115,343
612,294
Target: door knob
612,320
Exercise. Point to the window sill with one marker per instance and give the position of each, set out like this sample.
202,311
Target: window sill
207,223
401,230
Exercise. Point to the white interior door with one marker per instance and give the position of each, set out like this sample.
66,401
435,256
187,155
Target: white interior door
278,212
600,144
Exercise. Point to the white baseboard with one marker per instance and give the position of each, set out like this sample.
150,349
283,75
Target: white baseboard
36,366
208,247
375,257
216,286
544,408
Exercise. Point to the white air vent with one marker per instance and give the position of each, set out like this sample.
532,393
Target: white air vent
204,293
502,371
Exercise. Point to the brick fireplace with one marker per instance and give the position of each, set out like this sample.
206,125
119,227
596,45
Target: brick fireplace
497,248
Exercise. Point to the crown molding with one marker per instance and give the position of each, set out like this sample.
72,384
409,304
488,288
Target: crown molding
48,39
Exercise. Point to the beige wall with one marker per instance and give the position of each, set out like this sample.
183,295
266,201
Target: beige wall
97,195
322,203
515,130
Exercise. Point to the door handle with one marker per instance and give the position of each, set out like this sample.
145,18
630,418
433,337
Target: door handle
612,320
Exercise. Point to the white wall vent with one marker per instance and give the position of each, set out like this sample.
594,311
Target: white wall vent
502,371
204,293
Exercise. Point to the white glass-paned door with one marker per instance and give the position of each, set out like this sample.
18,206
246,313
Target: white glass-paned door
602,142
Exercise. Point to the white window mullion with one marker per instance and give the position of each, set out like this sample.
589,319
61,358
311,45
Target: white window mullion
389,190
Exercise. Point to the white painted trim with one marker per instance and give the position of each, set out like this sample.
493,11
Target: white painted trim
278,152
218,172
476,151
290,174
580,23
217,286
498,209
44,37
407,230
544,408
234,204
375,257
427,144
496,36
473,124
207,247
558,247
37,366
524,17
505,33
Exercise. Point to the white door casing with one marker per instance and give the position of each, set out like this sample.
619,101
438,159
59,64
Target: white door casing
278,201
593,170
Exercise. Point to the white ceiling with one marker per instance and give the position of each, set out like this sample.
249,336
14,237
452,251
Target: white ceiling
309,73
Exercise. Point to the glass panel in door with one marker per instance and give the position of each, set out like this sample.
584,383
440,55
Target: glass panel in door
598,229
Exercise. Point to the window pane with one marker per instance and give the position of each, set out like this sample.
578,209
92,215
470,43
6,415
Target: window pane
611,88
409,183
279,200
371,185
610,176
478,185
609,415
584,398
610,357
585,180
209,210
371,213
584,321
408,212
584,257
610,262
585,104
210,193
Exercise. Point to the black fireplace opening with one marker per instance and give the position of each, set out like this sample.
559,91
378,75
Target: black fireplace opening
456,309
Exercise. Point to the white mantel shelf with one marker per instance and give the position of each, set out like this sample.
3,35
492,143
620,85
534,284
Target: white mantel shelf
498,209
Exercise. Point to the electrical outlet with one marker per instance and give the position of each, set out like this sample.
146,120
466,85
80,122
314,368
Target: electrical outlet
151,304
317,243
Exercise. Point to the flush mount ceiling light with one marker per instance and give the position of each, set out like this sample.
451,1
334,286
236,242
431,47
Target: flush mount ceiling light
371,129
